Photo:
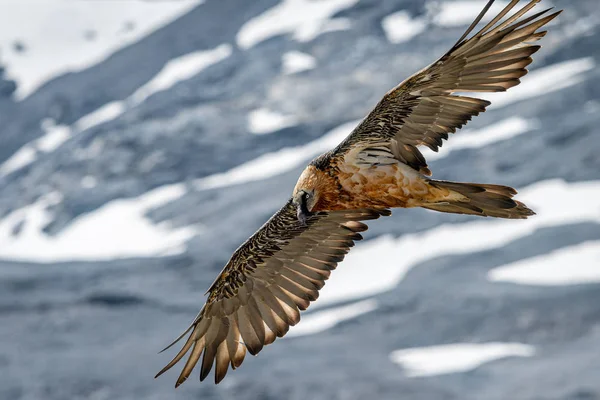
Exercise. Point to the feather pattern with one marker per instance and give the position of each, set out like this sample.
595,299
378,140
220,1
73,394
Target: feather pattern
423,110
279,271
268,280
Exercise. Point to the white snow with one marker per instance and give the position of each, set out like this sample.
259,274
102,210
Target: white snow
89,182
21,158
568,266
463,12
118,229
181,69
54,36
542,81
276,163
467,139
323,320
296,61
401,27
54,136
456,357
380,264
332,25
306,19
107,112
176,70
585,26
263,120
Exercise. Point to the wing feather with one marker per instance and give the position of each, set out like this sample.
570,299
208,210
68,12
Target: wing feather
191,361
233,342
250,337
424,109
222,361
261,290
272,328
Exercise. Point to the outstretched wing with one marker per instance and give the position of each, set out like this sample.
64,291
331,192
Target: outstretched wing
259,293
422,110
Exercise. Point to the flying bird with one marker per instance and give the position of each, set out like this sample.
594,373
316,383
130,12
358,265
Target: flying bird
279,270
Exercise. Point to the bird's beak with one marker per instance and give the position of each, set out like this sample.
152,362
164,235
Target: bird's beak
302,211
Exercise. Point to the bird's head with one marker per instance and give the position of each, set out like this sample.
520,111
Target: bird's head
306,193
304,200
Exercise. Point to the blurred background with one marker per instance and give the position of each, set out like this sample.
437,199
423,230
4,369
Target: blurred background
142,141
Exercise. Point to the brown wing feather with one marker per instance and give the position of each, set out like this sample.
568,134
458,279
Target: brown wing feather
268,280
422,110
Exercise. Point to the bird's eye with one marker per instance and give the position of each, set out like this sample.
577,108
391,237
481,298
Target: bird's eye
306,195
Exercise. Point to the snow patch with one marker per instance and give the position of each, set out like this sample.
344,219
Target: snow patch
401,27
174,71
262,121
378,265
54,136
468,139
295,61
55,39
306,19
181,69
333,25
463,12
572,265
583,27
456,357
323,320
118,229
536,83
21,158
105,113
89,182
276,163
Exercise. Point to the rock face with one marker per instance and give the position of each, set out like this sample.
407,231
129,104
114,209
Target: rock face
7,86
125,187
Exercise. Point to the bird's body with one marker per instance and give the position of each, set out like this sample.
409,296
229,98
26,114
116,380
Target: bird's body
279,270
352,184
370,176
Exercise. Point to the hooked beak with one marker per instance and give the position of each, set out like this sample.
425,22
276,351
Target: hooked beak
302,213
302,209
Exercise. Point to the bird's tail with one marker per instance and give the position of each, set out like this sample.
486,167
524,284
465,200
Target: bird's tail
478,199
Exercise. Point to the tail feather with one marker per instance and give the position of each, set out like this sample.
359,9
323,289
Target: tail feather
479,199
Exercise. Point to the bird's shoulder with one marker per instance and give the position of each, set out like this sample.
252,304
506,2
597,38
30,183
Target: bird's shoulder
324,162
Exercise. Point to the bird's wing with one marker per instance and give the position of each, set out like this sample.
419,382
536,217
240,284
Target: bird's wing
259,293
423,109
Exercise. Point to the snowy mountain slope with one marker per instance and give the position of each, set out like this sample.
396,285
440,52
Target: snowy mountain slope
63,36
145,172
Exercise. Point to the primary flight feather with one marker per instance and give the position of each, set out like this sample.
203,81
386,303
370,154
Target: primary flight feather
279,270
